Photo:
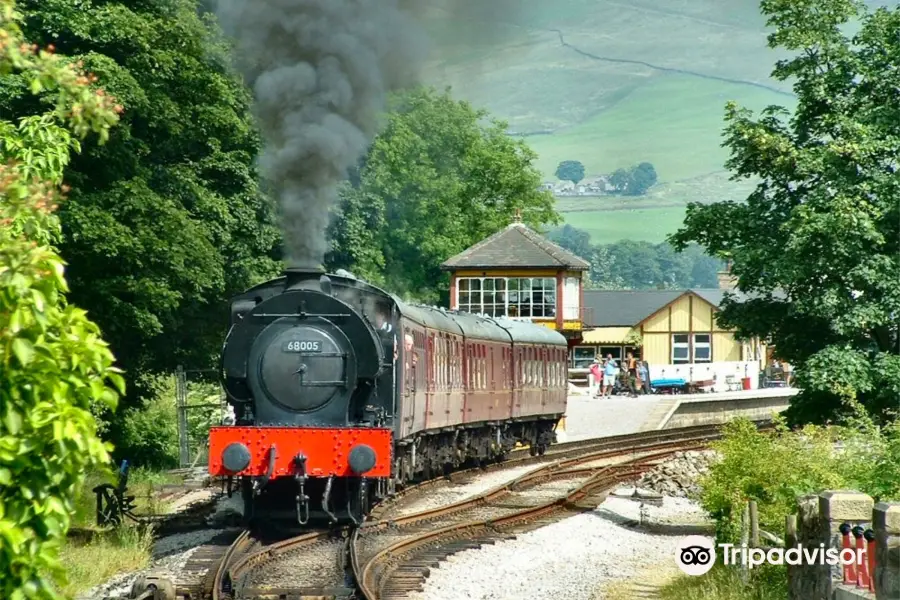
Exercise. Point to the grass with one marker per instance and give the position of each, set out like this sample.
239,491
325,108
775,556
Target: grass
605,97
659,213
672,121
114,551
642,224
106,555
724,583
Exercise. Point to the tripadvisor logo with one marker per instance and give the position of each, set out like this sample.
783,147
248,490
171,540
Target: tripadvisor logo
696,555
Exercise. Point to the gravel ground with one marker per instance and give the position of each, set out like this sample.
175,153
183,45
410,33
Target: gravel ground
309,567
572,559
449,495
190,498
600,417
170,554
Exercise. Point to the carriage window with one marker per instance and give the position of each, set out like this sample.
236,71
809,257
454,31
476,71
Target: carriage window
430,361
474,366
439,363
483,367
457,373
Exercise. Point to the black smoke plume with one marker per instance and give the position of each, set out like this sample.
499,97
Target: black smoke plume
320,72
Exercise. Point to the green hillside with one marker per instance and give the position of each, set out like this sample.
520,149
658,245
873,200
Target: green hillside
612,84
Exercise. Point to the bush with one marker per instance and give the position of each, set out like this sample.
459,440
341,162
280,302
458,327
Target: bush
775,468
771,468
870,457
150,433
55,367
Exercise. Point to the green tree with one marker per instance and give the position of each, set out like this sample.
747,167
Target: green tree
619,180
603,274
638,265
577,241
438,179
165,221
570,170
817,243
641,179
55,368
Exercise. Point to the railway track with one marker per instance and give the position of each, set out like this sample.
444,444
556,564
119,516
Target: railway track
392,557
312,564
391,553
396,505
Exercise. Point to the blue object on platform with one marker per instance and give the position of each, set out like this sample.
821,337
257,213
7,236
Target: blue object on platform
667,382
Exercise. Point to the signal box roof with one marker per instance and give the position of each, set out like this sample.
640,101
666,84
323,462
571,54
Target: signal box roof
516,247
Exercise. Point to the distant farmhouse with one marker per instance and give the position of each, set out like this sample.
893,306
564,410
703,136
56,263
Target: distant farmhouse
588,187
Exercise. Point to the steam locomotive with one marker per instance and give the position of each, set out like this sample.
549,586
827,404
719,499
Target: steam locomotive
342,392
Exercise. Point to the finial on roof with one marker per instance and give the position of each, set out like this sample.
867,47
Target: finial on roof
518,217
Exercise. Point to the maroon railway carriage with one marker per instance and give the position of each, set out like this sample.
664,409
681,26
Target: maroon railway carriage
471,387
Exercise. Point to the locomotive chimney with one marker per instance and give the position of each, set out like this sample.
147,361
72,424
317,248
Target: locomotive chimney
300,278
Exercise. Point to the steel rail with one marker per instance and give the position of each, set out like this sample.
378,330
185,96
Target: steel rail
644,454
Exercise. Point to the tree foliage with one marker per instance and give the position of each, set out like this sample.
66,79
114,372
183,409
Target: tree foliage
635,181
439,178
165,221
629,264
55,367
818,242
570,170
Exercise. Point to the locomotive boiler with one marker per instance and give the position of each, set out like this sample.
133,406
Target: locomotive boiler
342,392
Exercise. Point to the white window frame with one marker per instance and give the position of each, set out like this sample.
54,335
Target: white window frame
707,345
571,299
686,345
547,287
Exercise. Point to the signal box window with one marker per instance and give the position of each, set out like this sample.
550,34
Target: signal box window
517,297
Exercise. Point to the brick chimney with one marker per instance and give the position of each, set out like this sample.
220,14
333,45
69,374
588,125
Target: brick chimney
727,281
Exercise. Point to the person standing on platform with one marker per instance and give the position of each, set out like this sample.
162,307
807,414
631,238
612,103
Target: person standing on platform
644,374
597,374
631,365
609,375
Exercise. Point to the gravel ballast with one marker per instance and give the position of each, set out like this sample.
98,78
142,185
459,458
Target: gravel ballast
571,559
451,495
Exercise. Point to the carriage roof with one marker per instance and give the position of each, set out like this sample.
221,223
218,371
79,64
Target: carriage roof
480,327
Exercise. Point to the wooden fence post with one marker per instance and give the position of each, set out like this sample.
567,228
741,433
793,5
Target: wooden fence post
754,524
745,534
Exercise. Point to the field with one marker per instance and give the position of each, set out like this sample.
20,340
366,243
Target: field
612,84
651,224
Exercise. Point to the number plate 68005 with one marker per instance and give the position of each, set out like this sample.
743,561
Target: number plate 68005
301,346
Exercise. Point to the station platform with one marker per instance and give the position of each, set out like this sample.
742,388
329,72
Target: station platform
588,417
